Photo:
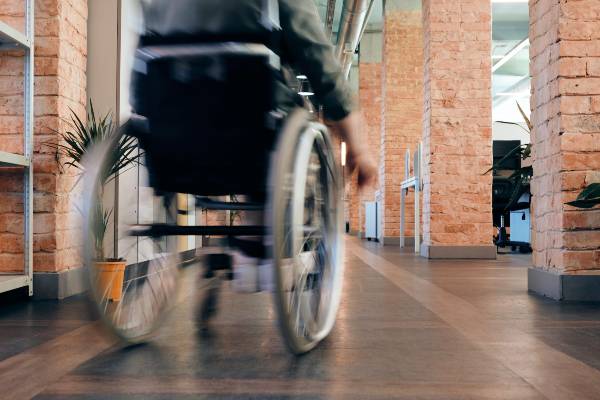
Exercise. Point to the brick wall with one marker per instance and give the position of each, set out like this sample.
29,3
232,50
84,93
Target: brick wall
565,103
371,103
457,132
60,64
402,110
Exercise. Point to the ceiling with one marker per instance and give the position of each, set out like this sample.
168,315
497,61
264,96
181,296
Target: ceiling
510,80
510,28
375,22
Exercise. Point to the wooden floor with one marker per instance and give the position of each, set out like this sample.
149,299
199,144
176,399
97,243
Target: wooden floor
408,328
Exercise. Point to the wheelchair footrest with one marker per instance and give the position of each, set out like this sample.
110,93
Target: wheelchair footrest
251,248
208,204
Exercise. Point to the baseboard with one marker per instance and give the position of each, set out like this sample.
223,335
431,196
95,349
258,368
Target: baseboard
391,241
58,285
458,252
562,287
71,282
409,241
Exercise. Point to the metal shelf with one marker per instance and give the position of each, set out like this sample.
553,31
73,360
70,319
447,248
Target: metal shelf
13,160
11,39
11,282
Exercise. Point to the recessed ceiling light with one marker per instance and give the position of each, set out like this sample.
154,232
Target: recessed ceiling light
301,77
306,94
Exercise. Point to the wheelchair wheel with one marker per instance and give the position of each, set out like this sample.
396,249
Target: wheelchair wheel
132,294
306,225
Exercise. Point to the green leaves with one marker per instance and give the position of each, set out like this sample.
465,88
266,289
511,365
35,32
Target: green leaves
77,141
100,222
521,176
525,118
523,150
589,198
81,137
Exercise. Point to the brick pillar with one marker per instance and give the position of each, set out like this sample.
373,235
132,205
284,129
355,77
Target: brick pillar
457,130
402,108
370,100
60,85
565,103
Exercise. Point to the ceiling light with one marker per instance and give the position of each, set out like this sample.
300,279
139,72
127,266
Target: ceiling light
306,93
301,77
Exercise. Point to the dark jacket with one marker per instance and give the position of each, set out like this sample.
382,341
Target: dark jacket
304,45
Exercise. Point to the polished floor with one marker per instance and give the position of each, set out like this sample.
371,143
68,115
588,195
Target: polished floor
408,328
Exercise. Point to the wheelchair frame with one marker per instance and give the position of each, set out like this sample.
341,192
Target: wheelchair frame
306,255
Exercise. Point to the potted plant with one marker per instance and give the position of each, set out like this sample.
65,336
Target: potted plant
73,145
521,177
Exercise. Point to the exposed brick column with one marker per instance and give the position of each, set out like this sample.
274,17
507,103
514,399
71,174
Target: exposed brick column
402,108
60,85
370,100
565,103
457,130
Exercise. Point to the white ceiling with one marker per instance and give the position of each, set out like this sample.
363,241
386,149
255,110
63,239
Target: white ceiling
511,82
375,22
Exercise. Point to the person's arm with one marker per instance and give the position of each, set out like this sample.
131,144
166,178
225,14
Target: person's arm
357,156
311,53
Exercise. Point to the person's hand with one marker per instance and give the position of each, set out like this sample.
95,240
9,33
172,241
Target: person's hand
349,130
365,166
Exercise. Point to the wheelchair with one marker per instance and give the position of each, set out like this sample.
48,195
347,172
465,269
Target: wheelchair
207,125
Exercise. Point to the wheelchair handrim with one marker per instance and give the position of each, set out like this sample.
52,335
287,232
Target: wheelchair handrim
95,162
300,138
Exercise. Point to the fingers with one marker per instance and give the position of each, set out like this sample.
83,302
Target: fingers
367,175
367,170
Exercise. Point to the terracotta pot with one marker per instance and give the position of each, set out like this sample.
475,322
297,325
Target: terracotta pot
111,275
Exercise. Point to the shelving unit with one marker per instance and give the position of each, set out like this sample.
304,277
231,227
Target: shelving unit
12,39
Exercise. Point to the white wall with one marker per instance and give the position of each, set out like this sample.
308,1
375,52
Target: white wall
102,77
137,203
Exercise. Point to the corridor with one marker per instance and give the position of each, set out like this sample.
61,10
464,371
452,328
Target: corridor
408,328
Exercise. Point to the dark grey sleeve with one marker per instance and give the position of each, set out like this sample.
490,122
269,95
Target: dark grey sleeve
311,53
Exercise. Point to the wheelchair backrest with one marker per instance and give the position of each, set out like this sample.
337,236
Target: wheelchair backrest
216,54
211,20
205,82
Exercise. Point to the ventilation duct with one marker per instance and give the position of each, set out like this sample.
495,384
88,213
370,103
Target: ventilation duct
355,15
